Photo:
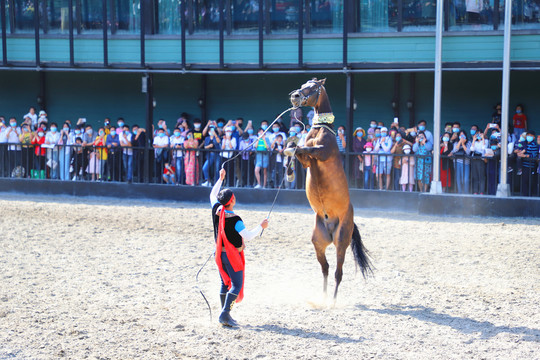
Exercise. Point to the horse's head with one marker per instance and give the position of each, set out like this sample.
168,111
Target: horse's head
308,94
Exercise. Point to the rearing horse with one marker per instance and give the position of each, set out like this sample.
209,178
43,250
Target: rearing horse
326,184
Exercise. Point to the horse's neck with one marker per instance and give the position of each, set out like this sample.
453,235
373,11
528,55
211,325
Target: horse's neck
323,105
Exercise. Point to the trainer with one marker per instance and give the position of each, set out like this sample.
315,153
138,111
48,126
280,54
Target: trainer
230,234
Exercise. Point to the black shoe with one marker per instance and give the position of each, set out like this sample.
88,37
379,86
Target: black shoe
225,318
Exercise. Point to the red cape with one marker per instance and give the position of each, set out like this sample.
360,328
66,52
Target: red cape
236,258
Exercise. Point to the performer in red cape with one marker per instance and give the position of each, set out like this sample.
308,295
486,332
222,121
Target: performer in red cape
230,234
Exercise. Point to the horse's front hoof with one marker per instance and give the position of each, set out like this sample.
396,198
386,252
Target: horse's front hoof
289,151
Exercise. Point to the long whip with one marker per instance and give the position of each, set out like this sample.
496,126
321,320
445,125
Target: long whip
198,288
223,166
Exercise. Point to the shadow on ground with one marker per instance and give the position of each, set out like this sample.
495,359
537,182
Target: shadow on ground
296,332
462,324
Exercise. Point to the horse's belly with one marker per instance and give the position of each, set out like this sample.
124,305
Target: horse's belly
327,197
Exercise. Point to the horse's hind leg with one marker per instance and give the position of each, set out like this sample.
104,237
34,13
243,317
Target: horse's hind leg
321,239
342,240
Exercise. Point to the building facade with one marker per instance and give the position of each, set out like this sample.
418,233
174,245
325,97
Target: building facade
229,58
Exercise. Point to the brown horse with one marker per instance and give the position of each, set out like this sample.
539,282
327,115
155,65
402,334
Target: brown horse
326,184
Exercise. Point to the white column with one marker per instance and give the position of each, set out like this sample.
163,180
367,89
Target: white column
436,187
503,189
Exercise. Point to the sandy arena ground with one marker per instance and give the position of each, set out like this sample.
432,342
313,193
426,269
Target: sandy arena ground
110,279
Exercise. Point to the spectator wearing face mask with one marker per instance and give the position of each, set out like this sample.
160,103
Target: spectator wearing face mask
358,147
3,148
246,162
127,153
427,134
65,146
114,161
228,143
98,157
368,170
26,143
52,138
407,169
341,139
410,135
198,132
493,155
397,149
519,121
423,161
212,142
372,127
262,146
478,164
138,141
177,144
383,147
191,160
238,132
163,125
277,148
276,131
169,174
40,154
529,156
447,164
454,132
14,150
460,153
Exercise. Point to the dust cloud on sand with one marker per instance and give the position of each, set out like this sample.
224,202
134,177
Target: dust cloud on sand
92,278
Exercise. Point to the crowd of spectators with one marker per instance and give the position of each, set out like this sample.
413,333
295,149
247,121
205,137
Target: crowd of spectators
470,157
391,157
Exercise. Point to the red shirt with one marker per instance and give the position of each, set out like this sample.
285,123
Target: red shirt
520,121
39,149
167,172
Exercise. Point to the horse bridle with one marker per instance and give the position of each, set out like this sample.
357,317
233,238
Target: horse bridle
304,98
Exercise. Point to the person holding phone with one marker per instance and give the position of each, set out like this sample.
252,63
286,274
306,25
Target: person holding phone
478,164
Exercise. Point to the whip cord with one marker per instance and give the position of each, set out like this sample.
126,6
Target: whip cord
198,288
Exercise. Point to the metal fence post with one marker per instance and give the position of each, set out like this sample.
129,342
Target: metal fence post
436,187
503,189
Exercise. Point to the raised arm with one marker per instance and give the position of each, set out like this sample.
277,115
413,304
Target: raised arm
217,186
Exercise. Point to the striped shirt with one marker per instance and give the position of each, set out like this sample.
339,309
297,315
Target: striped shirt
531,149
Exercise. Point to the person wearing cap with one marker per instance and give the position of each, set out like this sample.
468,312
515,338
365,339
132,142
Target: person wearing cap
230,235
42,117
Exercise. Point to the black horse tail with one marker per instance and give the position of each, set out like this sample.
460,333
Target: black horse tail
361,254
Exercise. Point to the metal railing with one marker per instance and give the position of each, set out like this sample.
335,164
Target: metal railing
394,172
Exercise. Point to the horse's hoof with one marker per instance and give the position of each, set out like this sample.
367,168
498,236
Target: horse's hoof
289,151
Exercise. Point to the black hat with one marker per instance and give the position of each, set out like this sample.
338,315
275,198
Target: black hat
225,196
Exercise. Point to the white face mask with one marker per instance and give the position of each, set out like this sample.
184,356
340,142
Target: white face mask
408,151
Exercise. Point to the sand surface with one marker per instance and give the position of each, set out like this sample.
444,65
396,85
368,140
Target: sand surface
113,279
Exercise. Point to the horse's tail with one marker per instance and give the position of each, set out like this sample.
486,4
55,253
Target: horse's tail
361,254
